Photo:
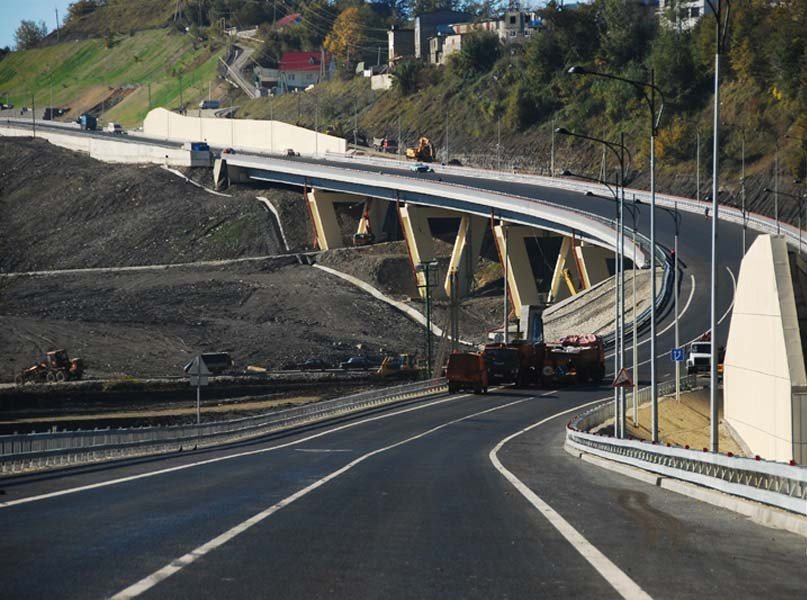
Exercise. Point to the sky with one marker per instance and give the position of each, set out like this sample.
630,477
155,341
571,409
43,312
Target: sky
14,11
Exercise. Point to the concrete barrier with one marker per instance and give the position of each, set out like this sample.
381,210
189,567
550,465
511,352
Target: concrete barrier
244,134
110,150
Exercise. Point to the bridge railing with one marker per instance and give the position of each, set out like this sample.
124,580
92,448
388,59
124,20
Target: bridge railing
42,450
773,483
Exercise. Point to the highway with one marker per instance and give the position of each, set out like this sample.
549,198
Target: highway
414,508
432,498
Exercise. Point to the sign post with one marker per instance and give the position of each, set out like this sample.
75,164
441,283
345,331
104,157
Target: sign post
198,373
622,380
677,354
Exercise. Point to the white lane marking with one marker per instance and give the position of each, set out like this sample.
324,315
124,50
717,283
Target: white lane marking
733,296
623,584
180,563
209,461
315,450
672,324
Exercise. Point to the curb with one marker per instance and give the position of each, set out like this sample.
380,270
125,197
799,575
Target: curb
761,514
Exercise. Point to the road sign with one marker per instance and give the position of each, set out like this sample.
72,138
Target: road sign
677,354
198,372
622,379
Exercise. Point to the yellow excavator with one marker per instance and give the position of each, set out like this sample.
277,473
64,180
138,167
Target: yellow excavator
403,365
424,151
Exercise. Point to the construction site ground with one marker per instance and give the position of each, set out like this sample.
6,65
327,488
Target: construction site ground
64,211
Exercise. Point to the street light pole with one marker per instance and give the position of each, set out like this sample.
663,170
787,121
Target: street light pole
742,190
722,20
649,91
506,309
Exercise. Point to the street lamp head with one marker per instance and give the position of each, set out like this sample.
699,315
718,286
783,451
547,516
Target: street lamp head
566,173
768,190
562,131
577,70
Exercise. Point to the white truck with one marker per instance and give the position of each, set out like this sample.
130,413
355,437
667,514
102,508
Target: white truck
699,358
115,128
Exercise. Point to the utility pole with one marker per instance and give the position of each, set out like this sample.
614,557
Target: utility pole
698,166
181,103
33,114
57,24
499,144
776,187
400,142
149,86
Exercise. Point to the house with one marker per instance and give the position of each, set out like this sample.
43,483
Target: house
401,44
266,80
683,13
298,70
291,19
427,24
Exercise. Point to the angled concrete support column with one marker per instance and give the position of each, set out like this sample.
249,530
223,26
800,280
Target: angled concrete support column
520,278
373,217
415,227
464,256
323,214
593,263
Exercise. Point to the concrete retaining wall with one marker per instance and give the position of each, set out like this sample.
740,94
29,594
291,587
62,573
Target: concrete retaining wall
244,134
764,366
112,150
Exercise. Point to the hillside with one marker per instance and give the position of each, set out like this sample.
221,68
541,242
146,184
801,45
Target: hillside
87,75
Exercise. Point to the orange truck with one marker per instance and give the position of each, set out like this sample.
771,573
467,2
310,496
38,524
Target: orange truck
467,371
574,359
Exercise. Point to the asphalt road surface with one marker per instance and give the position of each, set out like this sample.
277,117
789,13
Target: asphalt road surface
400,503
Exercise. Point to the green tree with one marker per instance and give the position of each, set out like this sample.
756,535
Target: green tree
406,75
29,34
625,32
479,52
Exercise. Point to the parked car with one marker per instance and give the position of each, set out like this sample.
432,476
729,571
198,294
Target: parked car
115,128
356,363
419,168
314,364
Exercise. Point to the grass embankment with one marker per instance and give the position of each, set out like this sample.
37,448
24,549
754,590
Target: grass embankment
86,74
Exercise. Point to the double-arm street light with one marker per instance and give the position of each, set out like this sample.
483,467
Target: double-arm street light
625,159
649,90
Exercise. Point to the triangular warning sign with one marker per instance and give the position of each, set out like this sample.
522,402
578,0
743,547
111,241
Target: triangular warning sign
622,379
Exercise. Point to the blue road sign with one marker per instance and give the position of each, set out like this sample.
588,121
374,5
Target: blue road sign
677,354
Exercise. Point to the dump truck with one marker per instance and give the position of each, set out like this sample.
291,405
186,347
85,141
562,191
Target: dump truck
467,371
530,361
574,359
502,363
57,366
424,151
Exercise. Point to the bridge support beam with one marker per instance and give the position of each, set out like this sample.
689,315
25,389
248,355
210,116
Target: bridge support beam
520,278
323,215
224,174
579,266
464,256
417,233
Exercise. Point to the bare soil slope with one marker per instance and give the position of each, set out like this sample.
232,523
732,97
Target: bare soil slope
62,210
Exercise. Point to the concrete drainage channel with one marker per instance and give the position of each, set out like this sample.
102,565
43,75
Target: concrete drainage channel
770,493
40,451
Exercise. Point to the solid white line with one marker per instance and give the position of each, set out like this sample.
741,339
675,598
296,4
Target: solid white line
623,584
180,563
209,461
733,296
671,325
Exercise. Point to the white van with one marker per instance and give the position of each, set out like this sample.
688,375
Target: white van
114,128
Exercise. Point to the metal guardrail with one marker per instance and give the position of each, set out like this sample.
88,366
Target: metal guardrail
776,484
42,450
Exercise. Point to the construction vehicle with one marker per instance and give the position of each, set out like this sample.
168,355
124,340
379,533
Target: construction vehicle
467,371
57,366
403,365
87,122
530,362
424,151
502,363
574,359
